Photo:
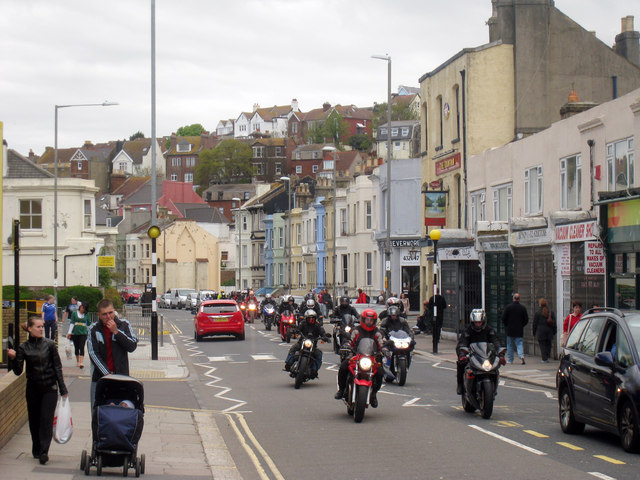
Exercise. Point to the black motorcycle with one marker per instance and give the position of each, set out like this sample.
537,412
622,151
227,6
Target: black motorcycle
268,315
342,328
399,359
481,375
302,368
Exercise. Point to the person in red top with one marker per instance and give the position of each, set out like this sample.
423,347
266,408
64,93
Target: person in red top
571,320
362,297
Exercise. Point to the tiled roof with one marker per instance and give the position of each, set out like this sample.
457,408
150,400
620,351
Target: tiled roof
269,113
310,147
19,166
130,186
194,141
201,213
137,149
275,142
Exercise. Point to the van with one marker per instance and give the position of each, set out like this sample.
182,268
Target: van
180,297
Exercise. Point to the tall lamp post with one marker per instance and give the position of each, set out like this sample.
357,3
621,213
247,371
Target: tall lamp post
288,180
330,148
55,186
435,235
387,248
236,199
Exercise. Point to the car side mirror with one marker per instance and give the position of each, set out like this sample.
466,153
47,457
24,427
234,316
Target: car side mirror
605,359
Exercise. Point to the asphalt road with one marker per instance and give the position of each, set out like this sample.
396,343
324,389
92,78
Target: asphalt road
419,430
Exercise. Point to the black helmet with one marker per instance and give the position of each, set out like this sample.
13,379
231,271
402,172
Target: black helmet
344,301
310,315
308,296
290,299
394,311
478,319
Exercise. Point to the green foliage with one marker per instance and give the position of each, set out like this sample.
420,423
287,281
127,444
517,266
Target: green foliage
360,142
333,130
136,135
228,162
192,130
229,283
25,293
113,295
402,111
89,295
104,277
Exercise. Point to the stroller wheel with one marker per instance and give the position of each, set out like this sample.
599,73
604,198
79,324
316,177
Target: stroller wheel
125,466
141,462
87,466
137,466
83,460
99,465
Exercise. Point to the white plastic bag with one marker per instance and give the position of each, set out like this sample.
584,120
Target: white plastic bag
69,350
62,422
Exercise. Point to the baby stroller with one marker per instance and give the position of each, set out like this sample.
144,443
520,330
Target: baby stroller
117,418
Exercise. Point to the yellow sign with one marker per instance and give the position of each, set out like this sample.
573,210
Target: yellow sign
108,261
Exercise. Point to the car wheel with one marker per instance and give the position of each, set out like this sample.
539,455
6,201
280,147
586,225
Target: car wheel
568,421
241,336
196,337
628,427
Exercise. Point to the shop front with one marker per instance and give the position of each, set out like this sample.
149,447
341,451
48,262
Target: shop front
496,260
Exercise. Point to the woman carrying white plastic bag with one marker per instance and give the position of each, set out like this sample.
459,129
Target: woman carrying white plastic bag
62,422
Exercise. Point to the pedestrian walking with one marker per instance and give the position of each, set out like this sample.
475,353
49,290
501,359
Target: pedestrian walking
72,307
50,317
362,297
78,326
437,305
571,320
44,380
405,302
544,328
514,318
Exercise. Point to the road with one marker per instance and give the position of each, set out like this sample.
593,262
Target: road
274,431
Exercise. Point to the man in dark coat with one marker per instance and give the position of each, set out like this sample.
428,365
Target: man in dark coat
436,305
514,318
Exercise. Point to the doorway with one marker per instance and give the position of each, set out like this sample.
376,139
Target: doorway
411,285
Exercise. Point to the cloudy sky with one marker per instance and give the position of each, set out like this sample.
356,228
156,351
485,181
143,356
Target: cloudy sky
215,59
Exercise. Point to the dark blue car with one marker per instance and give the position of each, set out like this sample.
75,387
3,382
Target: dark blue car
598,378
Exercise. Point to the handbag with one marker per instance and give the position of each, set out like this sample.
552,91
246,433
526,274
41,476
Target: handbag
62,422
68,350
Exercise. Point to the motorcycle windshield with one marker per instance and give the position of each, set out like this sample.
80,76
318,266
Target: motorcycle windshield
480,349
347,319
398,335
269,309
366,346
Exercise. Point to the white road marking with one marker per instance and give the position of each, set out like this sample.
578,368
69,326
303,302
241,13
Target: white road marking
263,356
223,358
528,389
414,403
508,440
601,475
439,365
224,390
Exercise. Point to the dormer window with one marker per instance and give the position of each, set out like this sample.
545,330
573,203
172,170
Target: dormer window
183,147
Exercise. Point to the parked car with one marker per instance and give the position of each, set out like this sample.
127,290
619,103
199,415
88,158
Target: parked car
164,301
180,297
130,294
598,378
218,317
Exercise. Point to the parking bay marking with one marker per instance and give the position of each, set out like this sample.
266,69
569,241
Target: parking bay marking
536,434
570,446
610,460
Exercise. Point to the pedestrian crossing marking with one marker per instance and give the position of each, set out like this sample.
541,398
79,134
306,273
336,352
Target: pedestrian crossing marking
610,460
224,358
506,423
569,446
536,434
263,357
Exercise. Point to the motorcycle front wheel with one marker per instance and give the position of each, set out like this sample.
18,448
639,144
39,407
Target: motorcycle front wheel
466,404
361,403
302,371
486,399
402,371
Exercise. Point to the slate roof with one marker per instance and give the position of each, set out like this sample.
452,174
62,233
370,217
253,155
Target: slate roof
194,141
138,148
201,213
346,111
19,166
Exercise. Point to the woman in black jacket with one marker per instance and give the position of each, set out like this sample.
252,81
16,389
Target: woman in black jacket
544,328
44,379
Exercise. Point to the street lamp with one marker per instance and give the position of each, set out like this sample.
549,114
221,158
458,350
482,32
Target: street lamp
288,180
387,249
330,148
236,199
435,235
55,186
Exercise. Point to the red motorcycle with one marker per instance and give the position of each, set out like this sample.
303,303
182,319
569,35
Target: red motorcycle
251,311
287,325
363,367
243,309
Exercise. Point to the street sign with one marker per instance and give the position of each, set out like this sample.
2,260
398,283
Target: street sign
107,261
387,264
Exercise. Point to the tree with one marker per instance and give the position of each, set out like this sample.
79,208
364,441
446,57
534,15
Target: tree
228,162
136,135
399,111
360,142
192,130
334,129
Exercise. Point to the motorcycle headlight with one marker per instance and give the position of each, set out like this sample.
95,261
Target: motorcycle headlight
365,363
402,345
347,329
252,307
308,343
487,365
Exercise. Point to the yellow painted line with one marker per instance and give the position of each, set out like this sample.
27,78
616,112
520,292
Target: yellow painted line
536,434
569,446
505,423
610,460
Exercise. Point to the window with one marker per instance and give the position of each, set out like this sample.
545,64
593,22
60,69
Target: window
258,168
133,275
188,177
297,155
280,237
394,132
176,161
345,268
294,127
31,214
405,131
298,234
502,202
270,234
258,152
478,203
147,276
108,222
128,251
624,356
367,215
315,155
299,268
397,145
278,168
343,221
174,177
79,165
281,274
122,166
314,169
278,151
590,337
245,223
571,182
244,256
620,172
298,169
327,165
368,268
190,161
147,250
533,190
456,91
133,251
383,131
261,254
440,130
183,147
87,214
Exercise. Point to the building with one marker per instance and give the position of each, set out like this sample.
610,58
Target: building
405,139
135,158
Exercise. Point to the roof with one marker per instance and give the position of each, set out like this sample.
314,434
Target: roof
410,90
269,141
19,166
130,186
138,148
195,142
269,113
201,213
311,147
174,193
401,123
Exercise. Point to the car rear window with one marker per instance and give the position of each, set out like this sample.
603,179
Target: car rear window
228,308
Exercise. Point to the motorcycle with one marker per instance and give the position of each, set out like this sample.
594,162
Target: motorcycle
268,315
399,359
288,325
301,368
341,333
251,312
243,309
481,375
362,370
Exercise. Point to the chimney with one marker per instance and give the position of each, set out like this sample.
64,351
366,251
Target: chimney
574,105
294,105
87,144
31,154
256,106
326,106
172,144
628,41
494,30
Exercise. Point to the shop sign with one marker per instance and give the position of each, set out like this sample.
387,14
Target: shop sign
539,236
461,253
448,164
593,258
405,243
495,246
564,258
410,257
435,209
576,232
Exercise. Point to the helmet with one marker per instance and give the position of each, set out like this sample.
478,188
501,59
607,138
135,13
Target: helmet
308,296
394,311
478,319
311,303
392,301
368,319
344,301
310,315
290,298
250,292
268,296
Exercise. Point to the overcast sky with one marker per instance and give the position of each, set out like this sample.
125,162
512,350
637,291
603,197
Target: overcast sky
215,59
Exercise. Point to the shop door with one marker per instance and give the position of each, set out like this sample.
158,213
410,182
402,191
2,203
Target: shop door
498,287
460,284
411,286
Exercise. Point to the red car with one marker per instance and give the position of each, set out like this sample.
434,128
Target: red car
218,317
130,294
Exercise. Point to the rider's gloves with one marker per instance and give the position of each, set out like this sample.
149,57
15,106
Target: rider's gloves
463,359
503,360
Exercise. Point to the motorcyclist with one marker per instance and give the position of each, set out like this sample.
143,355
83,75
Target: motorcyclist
268,300
288,303
391,302
309,328
310,304
394,322
345,308
366,329
251,298
477,331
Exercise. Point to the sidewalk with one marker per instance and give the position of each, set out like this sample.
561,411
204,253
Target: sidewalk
176,443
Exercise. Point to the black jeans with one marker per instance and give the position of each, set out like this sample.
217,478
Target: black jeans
545,348
437,328
50,329
41,407
78,344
